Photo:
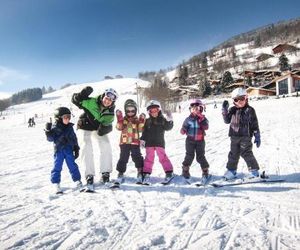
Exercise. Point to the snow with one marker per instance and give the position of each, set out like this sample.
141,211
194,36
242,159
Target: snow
178,216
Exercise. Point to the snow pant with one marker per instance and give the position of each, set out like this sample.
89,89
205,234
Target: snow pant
88,154
241,146
136,156
163,159
192,147
59,157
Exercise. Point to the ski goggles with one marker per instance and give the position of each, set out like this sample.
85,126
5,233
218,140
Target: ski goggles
153,110
130,110
111,96
66,117
240,98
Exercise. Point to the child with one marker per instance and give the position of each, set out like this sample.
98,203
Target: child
93,127
153,137
131,126
243,125
65,147
194,127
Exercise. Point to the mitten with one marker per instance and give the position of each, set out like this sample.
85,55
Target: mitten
142,118
86,92
76,151
142,143
257,139
225,104
119,115
48,126
182,131
169,116
200,116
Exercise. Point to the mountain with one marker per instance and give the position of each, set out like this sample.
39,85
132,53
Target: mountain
178,216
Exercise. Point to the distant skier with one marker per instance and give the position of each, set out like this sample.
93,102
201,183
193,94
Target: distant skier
153,137
130,126
243,125
194,127
30,122
93,127
65,147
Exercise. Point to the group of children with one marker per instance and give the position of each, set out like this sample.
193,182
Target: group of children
95,123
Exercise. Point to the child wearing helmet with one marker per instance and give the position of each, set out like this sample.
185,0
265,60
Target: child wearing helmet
243,125
153,138
65,147
194,127
130,126
93,127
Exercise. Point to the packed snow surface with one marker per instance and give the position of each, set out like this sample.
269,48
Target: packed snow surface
178,216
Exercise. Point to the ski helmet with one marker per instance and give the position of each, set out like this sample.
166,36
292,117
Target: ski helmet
59,112
238,92
153,104
196,102
111,93
130,103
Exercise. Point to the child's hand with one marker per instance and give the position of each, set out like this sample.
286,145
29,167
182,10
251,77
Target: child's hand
142,118
142,143
119,115
48,126
182,131
169,116
200,116
76,151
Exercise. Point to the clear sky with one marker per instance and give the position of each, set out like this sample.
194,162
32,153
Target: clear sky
54,42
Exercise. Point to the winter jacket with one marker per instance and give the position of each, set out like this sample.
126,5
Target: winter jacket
154,131
95,116
63,136
131,128
243,121
194,127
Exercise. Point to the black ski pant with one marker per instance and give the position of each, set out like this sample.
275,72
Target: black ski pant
126,150
241,146
193,147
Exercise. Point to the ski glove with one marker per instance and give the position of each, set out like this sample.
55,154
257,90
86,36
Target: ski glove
76,151
48,126
257,139
225,104
119,115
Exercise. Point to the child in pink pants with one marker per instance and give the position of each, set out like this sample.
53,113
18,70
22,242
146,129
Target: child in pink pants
153,137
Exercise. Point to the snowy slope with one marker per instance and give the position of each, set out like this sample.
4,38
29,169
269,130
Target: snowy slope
179,216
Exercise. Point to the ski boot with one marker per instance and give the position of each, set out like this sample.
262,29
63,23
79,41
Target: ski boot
146,179
58,189
120,178
169,176
186,172
253,173
139,177
105,177
90,184
205,176
229,175
79,185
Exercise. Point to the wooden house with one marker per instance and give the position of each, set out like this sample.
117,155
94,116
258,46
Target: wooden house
283,48
288,83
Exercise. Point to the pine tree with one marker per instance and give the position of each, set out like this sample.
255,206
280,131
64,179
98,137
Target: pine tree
284,63
226,80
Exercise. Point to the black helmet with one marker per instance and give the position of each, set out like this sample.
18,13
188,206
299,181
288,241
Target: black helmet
59,112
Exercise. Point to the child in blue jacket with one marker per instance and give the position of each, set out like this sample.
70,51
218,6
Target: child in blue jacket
194,127
65,147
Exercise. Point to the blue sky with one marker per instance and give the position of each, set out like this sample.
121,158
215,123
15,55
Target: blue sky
54,42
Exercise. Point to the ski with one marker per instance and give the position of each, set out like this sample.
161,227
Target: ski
244,182
204,181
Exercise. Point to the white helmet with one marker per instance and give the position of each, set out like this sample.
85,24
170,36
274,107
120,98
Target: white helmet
152,104
238,92
111,93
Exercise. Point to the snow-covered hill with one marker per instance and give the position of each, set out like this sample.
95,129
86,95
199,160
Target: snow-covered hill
178,216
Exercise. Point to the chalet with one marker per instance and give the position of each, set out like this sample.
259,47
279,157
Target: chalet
252,91
282,48
263,57
288,83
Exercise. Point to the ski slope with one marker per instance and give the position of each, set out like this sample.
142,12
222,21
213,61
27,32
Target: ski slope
178,216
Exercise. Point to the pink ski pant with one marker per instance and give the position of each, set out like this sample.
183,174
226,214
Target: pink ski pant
163,159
